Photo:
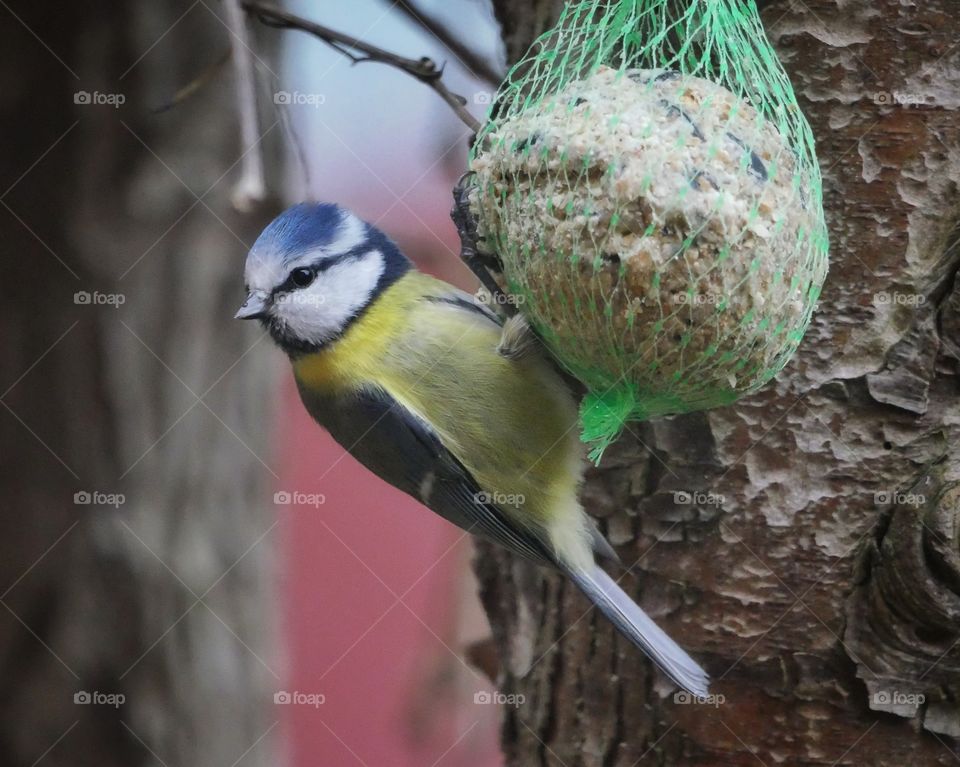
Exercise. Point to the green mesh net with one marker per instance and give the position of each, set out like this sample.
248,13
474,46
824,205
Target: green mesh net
651,187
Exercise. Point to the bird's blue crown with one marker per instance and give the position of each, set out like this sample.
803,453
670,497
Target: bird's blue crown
317,225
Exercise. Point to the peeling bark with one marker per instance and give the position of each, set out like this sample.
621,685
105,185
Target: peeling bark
816,591
903,615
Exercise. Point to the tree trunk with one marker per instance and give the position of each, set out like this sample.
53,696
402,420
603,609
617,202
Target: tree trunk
136,548
823,591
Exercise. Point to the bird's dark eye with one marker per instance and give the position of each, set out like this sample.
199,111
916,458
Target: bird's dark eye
302,277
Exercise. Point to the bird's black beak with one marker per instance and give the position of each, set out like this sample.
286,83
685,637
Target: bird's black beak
254,307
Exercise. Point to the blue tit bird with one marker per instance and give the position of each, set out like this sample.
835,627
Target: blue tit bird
428,389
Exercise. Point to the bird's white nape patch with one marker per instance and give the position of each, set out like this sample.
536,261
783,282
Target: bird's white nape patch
320,312
351,233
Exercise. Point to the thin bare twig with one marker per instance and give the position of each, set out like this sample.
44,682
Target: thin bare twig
251,189
195,85
478,65
425,70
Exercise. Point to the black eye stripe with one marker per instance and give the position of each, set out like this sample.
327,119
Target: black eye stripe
322,266
317,268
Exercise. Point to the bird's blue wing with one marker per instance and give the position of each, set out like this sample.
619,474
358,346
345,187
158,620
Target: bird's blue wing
400,448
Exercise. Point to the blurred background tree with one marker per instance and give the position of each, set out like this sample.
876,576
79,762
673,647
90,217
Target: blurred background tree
124,376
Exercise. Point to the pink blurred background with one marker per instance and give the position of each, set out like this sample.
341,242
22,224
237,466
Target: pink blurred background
379,602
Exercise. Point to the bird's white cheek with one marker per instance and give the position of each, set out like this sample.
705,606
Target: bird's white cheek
314,314
321,311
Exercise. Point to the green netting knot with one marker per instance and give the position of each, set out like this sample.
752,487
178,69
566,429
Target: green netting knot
603,416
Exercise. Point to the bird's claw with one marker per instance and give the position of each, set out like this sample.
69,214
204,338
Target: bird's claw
483,265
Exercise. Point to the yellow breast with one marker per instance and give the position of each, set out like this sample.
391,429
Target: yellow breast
357,358
511,423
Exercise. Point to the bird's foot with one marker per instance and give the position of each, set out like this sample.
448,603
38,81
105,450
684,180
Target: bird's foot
484,265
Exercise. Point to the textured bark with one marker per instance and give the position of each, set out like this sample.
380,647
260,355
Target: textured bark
823,591
101,599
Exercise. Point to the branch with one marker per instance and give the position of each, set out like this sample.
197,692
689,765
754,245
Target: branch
425,70
479,66
251,189
196,84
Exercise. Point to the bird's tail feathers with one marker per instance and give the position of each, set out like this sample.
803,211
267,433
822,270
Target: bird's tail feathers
640,629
